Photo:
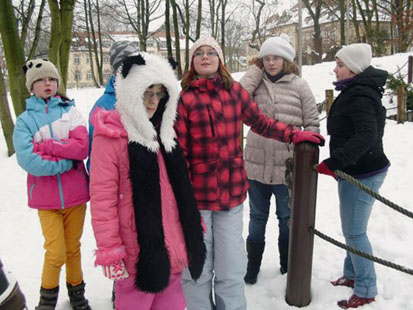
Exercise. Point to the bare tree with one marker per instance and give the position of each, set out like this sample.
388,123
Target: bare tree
314,9
5,116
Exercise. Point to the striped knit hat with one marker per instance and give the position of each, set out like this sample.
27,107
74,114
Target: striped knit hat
119,50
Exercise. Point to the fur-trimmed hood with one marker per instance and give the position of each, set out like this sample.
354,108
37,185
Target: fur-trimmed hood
138,72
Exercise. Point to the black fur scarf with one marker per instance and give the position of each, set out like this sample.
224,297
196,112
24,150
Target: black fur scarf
153,266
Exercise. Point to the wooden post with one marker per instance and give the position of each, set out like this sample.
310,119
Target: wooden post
410,69
329,99
303,201
401,105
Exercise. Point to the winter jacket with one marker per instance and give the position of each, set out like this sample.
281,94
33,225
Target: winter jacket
106,101
113,217
51,142
289,100
356,125
208,128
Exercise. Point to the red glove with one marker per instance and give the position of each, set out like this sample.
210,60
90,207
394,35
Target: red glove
309,136
323,169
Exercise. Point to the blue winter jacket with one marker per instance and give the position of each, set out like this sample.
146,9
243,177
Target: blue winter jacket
106,101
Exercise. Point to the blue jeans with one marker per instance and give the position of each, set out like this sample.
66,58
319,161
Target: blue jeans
260,200
221,284
355,210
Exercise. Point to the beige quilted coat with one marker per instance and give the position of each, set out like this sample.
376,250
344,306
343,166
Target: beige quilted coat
289,100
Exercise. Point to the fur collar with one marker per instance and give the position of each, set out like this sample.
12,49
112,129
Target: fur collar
129,102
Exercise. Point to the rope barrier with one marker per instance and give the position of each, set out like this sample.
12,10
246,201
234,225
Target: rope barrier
369,191
360,253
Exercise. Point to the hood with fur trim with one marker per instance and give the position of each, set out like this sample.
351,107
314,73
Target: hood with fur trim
137,73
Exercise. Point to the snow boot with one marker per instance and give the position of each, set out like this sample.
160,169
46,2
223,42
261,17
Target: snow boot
11,297
254,251
283,250
48,299
77,296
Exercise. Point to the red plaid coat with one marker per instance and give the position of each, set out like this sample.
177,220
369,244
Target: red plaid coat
208,128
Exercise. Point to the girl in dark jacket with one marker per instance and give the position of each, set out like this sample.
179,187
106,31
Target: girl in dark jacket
356,125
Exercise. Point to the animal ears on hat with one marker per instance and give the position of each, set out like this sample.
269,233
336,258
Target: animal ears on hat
173,63
128,62
29,65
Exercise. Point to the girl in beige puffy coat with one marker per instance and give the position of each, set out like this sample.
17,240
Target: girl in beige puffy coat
274,83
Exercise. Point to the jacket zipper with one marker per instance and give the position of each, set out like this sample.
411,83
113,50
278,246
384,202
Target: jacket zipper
211,123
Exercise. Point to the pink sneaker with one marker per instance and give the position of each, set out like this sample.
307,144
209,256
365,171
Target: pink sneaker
343,282
354,302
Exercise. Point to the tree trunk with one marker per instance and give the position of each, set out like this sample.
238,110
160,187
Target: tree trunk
37,30
198,20
168,29
89,44
177,43
13,51
5,117
187,35
342,22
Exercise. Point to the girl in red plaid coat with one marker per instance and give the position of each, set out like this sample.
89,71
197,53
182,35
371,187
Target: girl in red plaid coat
211,111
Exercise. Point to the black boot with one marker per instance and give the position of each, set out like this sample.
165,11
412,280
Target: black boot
77,296
11,297
48,299
283,241
254,251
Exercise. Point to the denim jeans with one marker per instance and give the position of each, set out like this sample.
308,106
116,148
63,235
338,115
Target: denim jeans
355,210
260,200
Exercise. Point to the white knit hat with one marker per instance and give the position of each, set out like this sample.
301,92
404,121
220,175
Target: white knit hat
357,57
206,40
279,47
36,69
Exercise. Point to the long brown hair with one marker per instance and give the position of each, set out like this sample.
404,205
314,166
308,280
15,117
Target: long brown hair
290,67
190,76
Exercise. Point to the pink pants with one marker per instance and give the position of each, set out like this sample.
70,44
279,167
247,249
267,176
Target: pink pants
129,298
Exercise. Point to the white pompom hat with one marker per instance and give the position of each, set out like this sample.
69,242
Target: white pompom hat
356,57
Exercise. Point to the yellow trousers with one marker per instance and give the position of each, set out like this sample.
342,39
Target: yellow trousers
62,230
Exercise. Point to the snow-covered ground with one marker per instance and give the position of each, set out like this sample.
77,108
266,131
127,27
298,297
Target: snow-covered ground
391,234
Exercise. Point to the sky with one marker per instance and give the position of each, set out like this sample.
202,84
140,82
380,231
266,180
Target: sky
391,233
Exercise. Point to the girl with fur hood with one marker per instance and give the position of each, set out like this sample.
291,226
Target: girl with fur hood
144,215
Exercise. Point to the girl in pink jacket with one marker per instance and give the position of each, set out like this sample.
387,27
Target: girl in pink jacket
144,215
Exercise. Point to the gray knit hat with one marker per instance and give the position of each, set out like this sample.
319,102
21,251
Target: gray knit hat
36,69
356,57
277,46
120,50
206,39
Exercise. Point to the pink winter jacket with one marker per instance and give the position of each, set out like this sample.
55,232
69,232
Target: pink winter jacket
113,217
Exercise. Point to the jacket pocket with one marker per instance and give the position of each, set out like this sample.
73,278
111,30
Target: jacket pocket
238,177
205,181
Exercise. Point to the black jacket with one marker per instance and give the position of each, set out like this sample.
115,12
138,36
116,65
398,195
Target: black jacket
356,125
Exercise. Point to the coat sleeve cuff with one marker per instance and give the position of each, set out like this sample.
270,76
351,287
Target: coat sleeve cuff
109,256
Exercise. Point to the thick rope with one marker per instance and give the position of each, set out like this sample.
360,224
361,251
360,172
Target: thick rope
360,253
369,191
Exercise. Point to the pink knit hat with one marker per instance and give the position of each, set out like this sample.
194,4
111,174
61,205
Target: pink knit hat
206,39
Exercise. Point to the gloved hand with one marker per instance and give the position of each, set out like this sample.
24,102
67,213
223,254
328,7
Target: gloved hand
116,271
324,169
309,136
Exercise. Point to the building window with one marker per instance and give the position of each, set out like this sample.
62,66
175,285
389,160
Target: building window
106,59
89,75
77,75
76,60
106,75
87,59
